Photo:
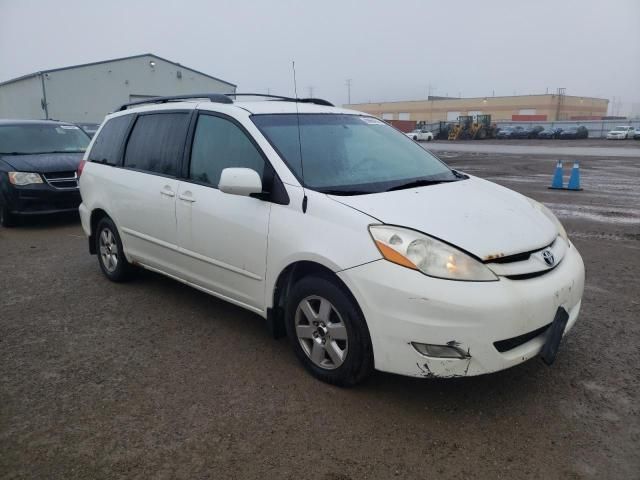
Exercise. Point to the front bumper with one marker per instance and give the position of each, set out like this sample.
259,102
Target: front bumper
38,199
402,306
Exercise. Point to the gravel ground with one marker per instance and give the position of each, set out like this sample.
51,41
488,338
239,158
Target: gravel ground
152,379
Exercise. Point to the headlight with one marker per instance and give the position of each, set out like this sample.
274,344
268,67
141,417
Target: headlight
432,257
24,178
549,214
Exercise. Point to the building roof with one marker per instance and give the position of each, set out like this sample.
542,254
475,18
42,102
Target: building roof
437,99
24,77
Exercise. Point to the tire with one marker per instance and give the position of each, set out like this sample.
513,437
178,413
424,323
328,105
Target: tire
429,139
415,139
337,350
111,257
7,219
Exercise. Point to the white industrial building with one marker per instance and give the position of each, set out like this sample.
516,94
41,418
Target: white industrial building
87,92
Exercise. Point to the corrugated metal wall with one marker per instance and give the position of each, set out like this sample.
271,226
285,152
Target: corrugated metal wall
88,93
22,99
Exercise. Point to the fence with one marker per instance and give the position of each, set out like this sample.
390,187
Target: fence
597,128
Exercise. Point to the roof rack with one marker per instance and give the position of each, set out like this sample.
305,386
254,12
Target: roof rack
213,97
222,98
316,101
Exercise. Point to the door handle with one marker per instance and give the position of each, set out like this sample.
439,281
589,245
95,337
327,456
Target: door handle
187,198
167,191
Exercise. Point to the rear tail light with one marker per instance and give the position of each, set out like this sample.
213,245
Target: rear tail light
80,167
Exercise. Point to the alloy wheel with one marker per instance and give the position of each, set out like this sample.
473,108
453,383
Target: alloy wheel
108,250
321,332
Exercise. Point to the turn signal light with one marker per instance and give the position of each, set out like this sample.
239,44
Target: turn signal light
80,167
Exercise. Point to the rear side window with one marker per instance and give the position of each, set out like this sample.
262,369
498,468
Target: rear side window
156,143
106,148
220,144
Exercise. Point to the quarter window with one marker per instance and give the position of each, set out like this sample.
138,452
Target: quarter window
220,144
156,143
106,147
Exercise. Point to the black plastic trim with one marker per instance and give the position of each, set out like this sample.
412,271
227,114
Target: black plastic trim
212,97
514,342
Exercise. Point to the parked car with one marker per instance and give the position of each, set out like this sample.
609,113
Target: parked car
509,132
368,251
550,132
575,132
522,132
38,162
621,133
535,131
420,135
89,128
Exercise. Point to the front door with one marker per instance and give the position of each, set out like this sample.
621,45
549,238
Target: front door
223,237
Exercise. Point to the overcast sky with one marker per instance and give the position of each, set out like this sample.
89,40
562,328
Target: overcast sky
391,50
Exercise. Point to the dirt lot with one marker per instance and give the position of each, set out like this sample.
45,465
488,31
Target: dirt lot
153,379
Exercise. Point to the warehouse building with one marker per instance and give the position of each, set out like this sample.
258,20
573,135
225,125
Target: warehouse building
539,108
86,93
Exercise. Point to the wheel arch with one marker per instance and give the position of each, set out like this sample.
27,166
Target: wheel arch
97,214
282,286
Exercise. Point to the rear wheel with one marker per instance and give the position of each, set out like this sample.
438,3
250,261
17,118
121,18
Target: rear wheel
7,219
328,332
111,257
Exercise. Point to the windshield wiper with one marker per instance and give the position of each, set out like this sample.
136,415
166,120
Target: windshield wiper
344,192
418,183
64,151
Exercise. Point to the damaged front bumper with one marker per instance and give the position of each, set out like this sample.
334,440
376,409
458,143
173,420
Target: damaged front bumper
498,324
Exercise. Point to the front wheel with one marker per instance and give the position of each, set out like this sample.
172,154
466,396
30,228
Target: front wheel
111,257
328,332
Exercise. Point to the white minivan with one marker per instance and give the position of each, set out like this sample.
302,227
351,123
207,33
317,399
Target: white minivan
362,247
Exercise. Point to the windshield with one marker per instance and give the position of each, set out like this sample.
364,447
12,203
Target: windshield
620,129
43,138
350,154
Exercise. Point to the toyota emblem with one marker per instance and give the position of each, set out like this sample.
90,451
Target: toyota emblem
547,256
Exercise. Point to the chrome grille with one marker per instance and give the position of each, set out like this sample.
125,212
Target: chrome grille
62,180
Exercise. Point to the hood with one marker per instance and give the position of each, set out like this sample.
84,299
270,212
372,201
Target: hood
480,217
43,162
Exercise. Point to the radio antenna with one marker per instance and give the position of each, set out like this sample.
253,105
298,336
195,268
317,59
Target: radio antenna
295,90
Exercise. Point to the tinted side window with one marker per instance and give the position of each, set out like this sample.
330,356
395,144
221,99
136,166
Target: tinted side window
106,148
220,144
156,143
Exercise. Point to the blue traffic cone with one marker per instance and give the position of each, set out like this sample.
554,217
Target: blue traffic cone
557,181
574,180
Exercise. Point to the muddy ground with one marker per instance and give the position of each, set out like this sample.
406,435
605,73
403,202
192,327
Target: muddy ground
153,379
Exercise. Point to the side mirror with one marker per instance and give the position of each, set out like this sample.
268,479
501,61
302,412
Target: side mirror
240,181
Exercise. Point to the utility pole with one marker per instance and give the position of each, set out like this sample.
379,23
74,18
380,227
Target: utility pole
561,93
348,84
310,87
